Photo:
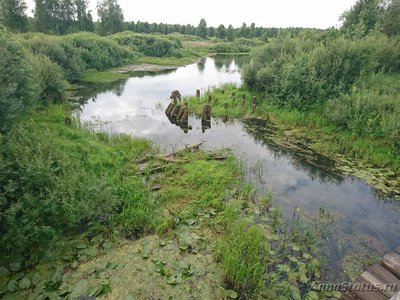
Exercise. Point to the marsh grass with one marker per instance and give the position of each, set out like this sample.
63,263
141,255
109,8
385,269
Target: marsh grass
323,134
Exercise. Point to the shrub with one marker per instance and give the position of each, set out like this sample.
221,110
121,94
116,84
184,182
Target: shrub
151,45
52,85
18,90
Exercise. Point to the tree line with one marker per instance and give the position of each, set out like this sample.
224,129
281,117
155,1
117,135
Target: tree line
68,16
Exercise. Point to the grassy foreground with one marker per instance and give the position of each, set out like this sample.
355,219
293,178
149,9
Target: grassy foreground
111,216
373,160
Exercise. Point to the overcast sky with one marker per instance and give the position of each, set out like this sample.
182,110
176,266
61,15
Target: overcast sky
266,13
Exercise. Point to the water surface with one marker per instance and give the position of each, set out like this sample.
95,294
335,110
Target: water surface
359,220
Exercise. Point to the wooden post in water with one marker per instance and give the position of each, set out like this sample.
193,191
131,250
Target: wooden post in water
206,112
175,110
169,109
181,112
198,93
253,103
185,115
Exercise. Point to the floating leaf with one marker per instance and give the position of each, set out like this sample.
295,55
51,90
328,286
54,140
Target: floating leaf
112,265
191,222
24,283
15,266
295,248
231,294
12,286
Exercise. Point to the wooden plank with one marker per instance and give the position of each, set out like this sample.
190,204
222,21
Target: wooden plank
391,262
367,295
379,276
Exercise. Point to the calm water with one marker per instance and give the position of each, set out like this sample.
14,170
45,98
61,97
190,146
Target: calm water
359,220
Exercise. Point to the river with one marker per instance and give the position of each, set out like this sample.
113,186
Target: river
359,222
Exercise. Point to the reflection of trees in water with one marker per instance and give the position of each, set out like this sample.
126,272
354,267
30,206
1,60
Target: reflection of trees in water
226,61
141,74
90,92
201,64
302,158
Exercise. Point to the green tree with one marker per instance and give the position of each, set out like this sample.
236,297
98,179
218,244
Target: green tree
230,33
111,17
390,18
221,31
202,29
13,15
362,18
84,18
55,16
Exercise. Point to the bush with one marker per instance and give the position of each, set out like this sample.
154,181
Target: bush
57,179
151,45
371,109
52,85
18,90
302,73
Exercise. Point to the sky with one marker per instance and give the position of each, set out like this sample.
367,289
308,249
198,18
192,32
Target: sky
266,13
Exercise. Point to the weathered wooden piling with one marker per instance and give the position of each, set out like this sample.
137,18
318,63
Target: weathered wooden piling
205,124
185,116
253,103
175,110
198,93
181,112
206,112
169,109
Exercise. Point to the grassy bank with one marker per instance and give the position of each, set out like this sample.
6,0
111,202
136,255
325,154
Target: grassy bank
92,208
375,160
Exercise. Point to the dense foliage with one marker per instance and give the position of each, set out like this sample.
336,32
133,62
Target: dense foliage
17,80
55,179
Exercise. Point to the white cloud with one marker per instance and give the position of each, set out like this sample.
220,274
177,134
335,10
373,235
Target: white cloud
267,13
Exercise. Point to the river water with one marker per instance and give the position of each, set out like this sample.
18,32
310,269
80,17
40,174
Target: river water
359,223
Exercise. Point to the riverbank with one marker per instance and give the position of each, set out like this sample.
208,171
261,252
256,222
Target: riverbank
365,158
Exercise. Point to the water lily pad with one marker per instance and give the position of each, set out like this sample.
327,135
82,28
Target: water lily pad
15,266
231,294
24,283
101,289
12,286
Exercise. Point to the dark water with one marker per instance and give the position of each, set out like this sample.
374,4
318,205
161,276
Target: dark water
356,218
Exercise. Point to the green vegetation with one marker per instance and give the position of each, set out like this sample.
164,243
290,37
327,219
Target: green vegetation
94,76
